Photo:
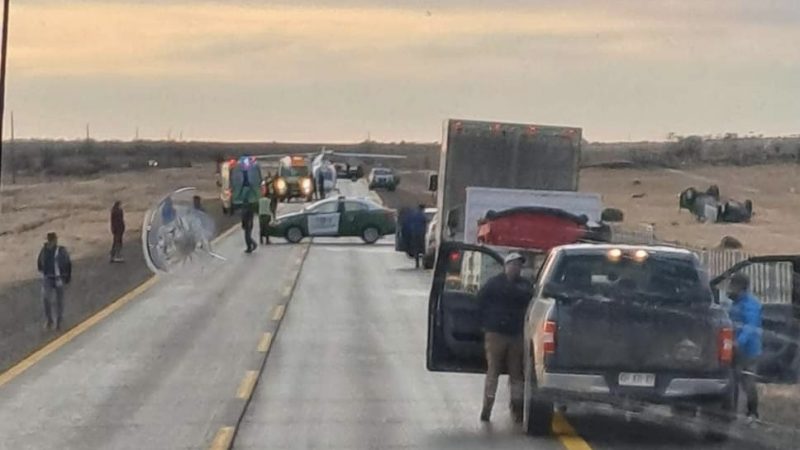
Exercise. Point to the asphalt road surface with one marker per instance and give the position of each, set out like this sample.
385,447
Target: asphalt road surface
175,367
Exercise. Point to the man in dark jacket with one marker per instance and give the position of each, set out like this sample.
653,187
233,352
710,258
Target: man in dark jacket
416,226
745,314
503,302
56,268
117,230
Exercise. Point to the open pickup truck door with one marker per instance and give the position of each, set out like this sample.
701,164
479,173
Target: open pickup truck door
455,339
775,281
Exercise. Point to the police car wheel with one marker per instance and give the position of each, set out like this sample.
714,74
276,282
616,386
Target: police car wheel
294,235
370,235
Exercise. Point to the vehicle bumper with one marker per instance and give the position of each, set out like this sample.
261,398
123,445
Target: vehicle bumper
667,387
381,183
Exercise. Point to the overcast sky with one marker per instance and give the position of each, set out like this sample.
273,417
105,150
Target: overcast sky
337,70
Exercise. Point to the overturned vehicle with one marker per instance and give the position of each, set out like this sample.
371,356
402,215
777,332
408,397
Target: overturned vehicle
708,207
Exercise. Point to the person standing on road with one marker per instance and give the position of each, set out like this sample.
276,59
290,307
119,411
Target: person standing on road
745,314
417,225
56,269
197,203
117,230
320,183
503,301
264,218
247,225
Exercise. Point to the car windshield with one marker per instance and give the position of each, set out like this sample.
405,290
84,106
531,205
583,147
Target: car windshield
656,278
294,171
242,224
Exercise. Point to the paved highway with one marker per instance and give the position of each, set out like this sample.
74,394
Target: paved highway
177,367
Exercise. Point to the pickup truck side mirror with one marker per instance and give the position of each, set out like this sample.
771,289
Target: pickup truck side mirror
433,182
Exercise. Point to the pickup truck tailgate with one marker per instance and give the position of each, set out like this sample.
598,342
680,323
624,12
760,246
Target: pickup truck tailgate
628,336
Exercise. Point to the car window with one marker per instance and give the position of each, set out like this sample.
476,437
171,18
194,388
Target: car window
355,206
468,271
657,277
324,208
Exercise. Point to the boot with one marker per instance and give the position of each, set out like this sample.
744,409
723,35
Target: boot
486,412
516,410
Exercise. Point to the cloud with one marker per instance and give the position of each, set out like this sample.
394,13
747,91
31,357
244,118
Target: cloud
283,42
222,69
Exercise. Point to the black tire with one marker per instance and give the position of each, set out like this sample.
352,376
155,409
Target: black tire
719,418
537,417
370,234
427,261
294,234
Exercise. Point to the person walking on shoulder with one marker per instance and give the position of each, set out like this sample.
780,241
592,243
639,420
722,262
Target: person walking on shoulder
55,268
117,231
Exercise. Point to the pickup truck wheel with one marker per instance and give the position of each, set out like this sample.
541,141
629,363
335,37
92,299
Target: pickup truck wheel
537,414
719,418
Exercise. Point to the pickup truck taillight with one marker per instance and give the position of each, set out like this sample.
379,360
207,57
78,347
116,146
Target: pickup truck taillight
725,345
549,337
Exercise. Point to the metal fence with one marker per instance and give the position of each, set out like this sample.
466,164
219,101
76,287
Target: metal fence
770,282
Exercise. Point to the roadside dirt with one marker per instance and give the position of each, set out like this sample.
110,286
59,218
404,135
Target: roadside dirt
649,198
78,210
774,190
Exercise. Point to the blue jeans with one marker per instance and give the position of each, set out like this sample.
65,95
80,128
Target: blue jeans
49,288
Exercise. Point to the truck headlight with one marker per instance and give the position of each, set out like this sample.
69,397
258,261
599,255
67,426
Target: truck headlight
280,186
305,185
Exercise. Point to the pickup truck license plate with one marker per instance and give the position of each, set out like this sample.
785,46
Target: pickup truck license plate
637,379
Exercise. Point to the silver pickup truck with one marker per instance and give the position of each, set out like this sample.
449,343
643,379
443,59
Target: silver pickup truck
628,325
620,325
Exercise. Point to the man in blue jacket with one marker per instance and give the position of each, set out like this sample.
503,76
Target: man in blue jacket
746,316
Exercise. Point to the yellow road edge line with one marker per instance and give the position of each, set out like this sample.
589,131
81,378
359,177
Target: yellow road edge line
74,332
277,314
247,384
224,234
222,440
264,342
567,435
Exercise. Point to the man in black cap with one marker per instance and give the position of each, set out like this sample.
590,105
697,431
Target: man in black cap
56,268
503,302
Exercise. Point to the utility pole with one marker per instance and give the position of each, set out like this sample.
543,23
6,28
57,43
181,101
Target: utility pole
3,58
136,137
87,131
12,147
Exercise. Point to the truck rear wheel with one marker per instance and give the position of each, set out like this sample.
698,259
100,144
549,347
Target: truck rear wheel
537,418
719,418
427,261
